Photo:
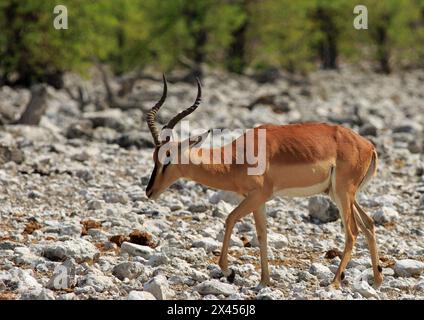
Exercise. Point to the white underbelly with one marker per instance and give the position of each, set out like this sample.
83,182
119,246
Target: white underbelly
304,191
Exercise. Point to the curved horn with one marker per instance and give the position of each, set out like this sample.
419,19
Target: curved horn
151,115
171,124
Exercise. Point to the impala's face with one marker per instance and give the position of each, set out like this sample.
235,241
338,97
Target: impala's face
164,172
168,161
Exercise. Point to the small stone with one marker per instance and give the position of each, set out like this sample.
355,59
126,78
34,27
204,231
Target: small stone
215,287
79,249
67,296
197,208
400,283
159,288
99,282
80,156
225,196
320,271
305,276
363,288
278,241
81,129
384,215
158,259
208,244
63,276
129,270
9,245
94,204
137,250
40,294
24,280
322,209
115,197
408,127
275,240
269,294
421,202
420,285
408,268
140,295
222,209
136,139
368,129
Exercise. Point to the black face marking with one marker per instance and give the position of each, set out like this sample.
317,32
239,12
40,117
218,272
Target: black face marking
164,167
152,179
379,268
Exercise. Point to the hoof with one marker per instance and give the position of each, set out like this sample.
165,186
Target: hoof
335,285
231,276
377,283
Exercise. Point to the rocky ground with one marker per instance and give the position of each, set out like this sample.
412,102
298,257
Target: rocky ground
75,222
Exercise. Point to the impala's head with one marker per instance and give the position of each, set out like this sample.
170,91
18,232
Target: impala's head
167,153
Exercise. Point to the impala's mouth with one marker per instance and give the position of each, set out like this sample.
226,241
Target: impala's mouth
152,195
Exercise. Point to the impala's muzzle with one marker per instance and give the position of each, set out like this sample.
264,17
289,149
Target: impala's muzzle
149,188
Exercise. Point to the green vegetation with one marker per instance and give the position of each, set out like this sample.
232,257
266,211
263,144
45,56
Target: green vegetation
232,34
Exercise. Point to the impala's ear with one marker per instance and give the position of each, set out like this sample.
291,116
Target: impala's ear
196,141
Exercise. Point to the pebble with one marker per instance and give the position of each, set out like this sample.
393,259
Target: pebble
408,268
208,244
140,295
159,288
215,287
322,209
137,250
79,249
363,288
98,282
269,294
320,271
63,276
128,270
385,214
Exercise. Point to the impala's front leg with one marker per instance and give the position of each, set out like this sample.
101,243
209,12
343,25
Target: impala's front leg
260,223
251,203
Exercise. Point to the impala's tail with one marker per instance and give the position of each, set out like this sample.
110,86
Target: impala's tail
372,170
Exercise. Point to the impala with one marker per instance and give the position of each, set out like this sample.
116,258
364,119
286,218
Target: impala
301,160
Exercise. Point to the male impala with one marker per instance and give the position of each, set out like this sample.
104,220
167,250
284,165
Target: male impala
301,160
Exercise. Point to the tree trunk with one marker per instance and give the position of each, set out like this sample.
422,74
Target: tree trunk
36,106
383,53
237,58
327,47
199,36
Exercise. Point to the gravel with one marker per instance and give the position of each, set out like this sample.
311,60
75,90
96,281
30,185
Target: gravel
73,191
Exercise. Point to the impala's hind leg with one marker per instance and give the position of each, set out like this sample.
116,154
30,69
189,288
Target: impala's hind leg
343,194
344,203
366,224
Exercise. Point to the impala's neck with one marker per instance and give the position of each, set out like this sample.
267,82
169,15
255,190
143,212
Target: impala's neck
201,168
